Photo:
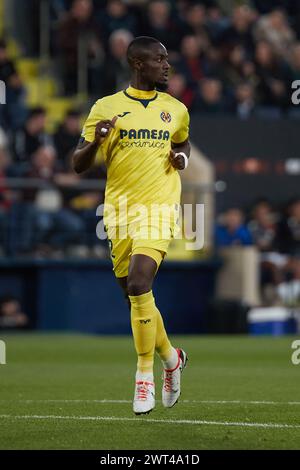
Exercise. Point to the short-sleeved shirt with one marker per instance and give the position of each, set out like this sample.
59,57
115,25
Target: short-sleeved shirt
137,151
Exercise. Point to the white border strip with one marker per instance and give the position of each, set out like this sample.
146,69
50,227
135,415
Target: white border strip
159,421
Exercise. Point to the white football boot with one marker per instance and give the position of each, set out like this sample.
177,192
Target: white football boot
171,381
144,397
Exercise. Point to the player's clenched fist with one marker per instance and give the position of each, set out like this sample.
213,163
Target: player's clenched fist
177,160
103,129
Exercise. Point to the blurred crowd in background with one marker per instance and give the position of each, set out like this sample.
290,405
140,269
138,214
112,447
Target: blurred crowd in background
276,235
228,58
49,215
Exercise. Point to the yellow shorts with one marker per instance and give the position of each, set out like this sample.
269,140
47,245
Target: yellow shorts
147,242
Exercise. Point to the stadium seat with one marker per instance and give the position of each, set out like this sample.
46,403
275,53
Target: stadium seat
56,110
39,90
27,68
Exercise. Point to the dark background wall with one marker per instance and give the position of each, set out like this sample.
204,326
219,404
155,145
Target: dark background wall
255,158
84,295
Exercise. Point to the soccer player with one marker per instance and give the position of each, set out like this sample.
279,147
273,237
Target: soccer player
143,135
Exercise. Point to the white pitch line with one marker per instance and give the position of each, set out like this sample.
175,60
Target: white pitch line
209,402
160,421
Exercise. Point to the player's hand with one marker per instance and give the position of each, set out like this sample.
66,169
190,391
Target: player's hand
103,129
177,161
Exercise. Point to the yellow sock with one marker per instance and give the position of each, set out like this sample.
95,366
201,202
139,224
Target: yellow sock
162,345
143,324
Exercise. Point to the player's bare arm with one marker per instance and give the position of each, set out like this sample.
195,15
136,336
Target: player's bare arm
85,153
176,158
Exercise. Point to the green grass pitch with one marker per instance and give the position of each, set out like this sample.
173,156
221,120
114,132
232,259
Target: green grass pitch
75,392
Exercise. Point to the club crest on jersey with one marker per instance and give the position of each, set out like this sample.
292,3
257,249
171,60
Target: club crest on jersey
165,116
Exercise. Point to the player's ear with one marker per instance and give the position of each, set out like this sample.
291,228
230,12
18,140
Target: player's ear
138,64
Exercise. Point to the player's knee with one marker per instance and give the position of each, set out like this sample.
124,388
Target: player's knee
138,285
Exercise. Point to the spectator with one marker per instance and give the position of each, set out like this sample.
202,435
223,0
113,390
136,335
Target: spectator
289,245
263,227
196,23
264,230
295,62
67,136
190,64
213,63
116,74
274,29
7,67
45,222
14,113
239,31
5,199
210,98
232,231
179,89
216,23
161,25
29,138
116,17
79,25
235,69
289,230
245,102
274,78
11,314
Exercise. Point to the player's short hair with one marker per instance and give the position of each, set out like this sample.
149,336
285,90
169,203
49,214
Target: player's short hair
139,46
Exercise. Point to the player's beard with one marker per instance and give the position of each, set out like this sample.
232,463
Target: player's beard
161,86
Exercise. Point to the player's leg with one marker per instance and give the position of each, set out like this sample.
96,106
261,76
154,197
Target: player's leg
163,346
173,360
141,274
138,277
144,387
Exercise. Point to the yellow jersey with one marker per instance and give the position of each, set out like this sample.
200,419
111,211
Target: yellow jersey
136,152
